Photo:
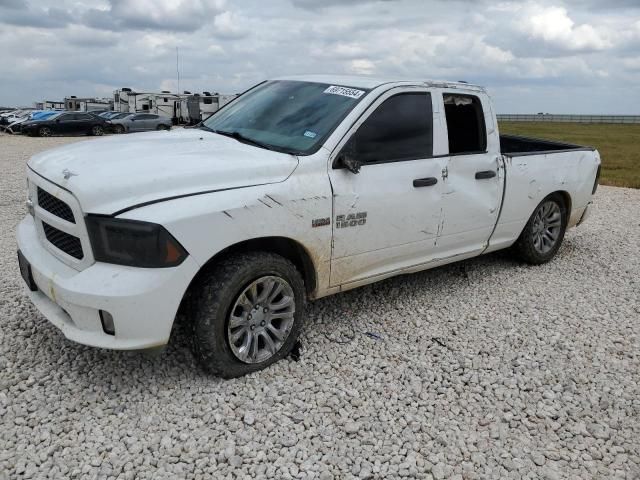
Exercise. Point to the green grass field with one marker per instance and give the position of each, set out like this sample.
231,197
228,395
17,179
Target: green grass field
619,145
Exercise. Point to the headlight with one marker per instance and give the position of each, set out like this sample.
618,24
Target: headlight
133,243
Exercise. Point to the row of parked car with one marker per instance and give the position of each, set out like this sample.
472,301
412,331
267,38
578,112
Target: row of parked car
45,123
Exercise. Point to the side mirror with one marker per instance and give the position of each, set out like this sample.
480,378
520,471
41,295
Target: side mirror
349,162
57,120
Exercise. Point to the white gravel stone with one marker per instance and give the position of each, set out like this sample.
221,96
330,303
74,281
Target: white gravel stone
539,375
249,418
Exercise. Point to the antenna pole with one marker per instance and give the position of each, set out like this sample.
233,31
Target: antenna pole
178,68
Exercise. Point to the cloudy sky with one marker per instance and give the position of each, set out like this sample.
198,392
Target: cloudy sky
558,56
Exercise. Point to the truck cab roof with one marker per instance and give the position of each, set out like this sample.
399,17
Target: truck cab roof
370,83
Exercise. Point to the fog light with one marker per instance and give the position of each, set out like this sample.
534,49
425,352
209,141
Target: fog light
107,323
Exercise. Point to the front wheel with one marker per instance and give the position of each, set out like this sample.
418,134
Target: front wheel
542,236
44,131
246,313
97,130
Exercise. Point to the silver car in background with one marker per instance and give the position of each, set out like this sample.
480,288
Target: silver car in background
139,122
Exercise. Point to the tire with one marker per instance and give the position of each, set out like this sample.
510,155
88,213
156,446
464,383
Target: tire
222,294
44,132
539,241
163,127
97,130
118,129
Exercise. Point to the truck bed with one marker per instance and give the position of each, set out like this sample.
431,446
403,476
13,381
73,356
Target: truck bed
516,146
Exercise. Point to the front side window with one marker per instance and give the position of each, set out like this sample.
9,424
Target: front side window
286,115
465,124
401,128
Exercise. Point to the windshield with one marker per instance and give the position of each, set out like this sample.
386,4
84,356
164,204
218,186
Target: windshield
290,116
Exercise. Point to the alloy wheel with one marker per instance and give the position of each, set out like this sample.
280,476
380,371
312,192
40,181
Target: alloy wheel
547,225
261,319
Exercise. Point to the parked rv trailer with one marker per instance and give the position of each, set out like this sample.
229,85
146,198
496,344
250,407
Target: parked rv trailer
75,104
121,100
49,105
185,108
166,104
196,108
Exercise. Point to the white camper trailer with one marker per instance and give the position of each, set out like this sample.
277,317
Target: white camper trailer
87,104
121,100
196,107
49,105
162,103
186,108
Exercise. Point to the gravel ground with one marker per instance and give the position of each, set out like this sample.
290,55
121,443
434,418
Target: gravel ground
489,369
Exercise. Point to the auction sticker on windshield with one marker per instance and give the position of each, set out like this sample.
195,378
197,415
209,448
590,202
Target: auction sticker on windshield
344,91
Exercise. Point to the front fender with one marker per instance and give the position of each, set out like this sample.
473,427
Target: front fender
209,223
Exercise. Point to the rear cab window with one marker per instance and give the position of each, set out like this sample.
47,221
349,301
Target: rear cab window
465,124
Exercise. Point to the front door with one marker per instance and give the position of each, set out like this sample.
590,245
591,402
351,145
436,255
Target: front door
65,123
387,217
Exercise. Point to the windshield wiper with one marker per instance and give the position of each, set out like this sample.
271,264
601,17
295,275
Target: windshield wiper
241,138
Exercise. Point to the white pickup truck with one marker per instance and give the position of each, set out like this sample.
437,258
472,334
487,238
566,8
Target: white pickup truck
300,188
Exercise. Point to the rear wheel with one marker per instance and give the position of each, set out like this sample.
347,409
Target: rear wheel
44,131
163,127
542,236
97,130
246,313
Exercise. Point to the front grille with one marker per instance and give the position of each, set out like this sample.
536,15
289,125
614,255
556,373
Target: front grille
55,206
63,241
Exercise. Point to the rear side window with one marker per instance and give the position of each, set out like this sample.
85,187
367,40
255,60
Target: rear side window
401,128
465,124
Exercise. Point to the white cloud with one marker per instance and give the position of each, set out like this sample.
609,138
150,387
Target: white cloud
228,25
362,66
554,26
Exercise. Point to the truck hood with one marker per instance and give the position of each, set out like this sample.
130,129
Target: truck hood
115,173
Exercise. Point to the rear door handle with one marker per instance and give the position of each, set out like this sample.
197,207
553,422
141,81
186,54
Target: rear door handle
425,182
485,174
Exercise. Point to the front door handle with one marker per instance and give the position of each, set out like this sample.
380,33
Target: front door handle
425,182
485,174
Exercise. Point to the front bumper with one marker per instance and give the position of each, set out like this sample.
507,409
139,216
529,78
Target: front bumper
142,301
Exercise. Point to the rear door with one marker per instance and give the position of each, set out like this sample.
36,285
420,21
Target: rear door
149,121
65,123
386,217
475,177
82,123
